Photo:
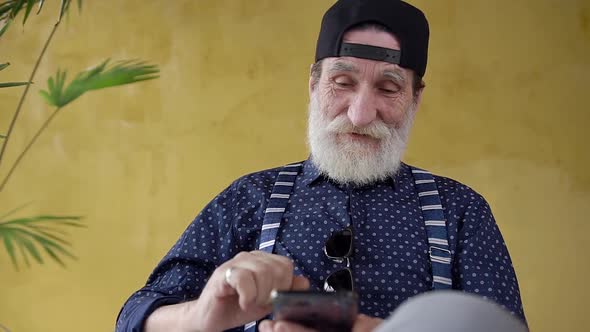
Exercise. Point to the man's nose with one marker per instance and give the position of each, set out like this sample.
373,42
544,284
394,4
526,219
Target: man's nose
363,109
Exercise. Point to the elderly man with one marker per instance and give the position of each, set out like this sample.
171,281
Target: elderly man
404,231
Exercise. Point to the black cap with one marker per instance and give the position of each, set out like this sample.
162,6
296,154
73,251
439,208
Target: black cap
406,22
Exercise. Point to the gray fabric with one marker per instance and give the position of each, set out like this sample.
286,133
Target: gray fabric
446,311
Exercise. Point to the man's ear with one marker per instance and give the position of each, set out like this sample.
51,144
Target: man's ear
312,81
418,96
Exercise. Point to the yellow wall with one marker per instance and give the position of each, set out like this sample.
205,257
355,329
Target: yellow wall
505,111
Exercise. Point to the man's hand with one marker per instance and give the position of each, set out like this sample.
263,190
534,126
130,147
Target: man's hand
241,295
363,323
366,323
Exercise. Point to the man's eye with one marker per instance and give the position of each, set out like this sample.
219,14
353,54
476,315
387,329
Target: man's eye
388,90
342,82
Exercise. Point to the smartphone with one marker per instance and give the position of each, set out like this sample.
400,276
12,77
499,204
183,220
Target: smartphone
321,311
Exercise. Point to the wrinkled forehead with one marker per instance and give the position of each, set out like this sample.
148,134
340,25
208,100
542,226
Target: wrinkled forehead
336,66
372,73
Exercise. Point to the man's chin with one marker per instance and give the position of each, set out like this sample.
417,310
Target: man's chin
358,138
356,167
359,176
359,145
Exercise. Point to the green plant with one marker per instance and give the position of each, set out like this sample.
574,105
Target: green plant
26,234
29,237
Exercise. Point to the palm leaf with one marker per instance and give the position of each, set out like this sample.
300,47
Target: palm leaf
12,84
23,252
8,237
30,4
30,235
99,77
8,11
55,257
27,247
9,213
11,8
9,84
17,6
47,233
5,26
65,7
6,7
48,243
41,2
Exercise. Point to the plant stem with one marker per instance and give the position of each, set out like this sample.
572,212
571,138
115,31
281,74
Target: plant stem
22,154
22,98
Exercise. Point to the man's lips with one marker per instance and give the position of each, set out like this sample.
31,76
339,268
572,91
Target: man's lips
359,137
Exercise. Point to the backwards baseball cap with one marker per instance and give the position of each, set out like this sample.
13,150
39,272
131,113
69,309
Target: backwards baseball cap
406,22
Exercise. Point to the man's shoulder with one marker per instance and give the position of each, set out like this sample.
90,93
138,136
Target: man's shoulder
263,178
451,188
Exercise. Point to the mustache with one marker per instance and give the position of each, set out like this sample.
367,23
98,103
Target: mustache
342,125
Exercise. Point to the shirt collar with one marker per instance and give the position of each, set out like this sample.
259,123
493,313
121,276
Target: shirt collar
311,174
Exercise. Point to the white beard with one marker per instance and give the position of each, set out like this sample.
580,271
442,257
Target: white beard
350,161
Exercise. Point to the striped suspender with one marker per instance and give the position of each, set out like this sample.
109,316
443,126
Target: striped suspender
436,228
430,204
277,204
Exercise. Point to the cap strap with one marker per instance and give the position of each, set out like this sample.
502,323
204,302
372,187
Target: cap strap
370,52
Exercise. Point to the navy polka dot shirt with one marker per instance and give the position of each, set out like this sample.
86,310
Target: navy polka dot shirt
390,262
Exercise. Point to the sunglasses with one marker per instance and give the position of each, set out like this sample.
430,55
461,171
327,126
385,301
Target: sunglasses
338,248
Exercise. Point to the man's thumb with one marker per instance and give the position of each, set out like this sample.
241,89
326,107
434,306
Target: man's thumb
300,283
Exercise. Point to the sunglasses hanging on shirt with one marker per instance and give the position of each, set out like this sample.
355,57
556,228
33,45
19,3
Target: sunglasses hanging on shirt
339,249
